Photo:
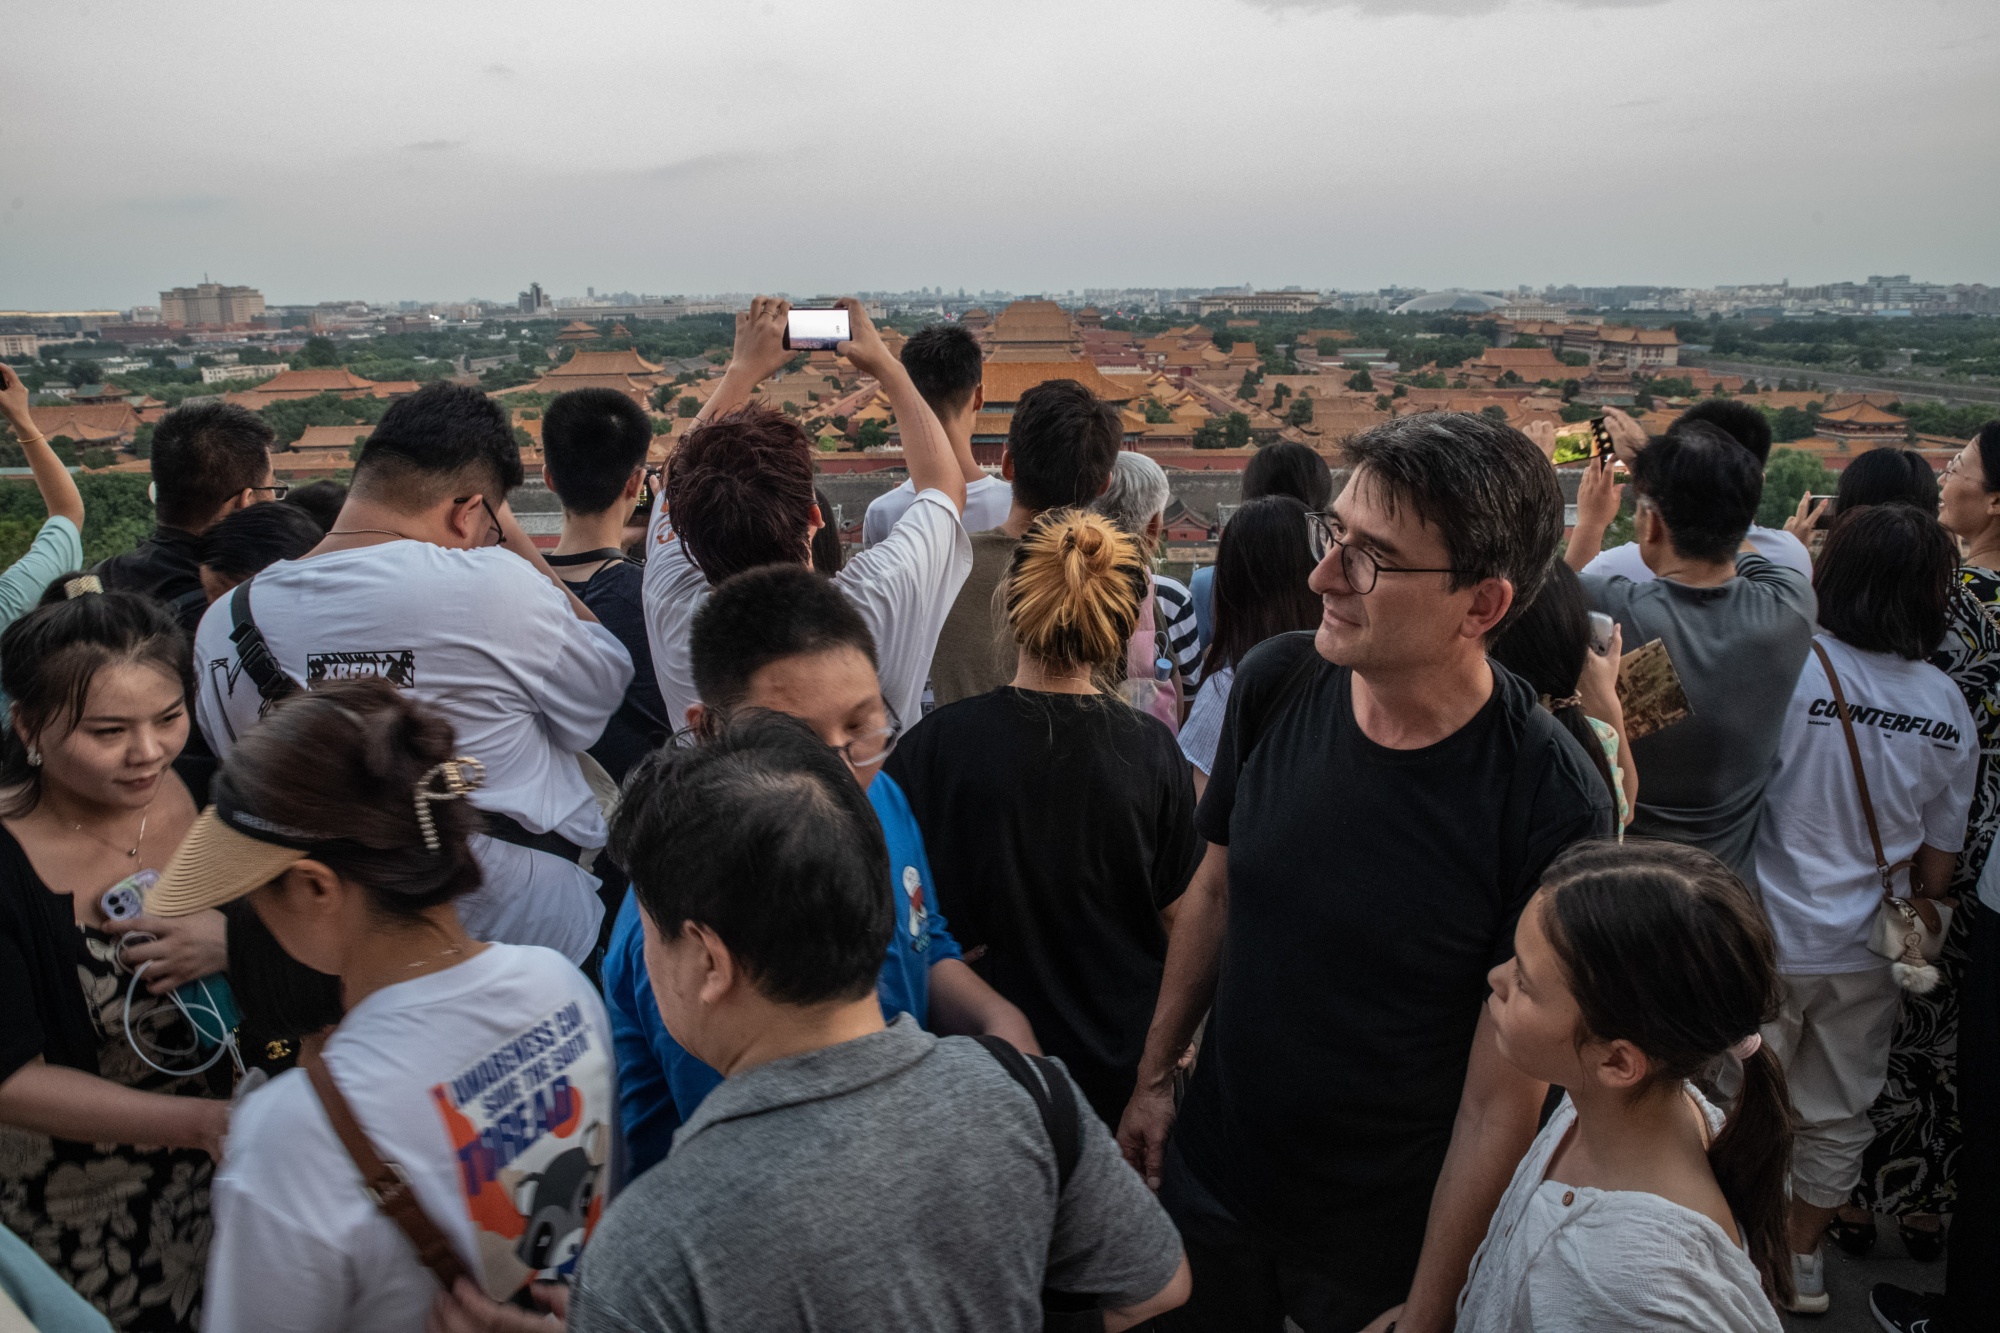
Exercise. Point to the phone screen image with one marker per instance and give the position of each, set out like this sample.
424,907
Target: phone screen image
816,330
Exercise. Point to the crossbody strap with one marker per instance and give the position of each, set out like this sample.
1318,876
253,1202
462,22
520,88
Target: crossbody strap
1882,866
253,652
385,1182
1055,1102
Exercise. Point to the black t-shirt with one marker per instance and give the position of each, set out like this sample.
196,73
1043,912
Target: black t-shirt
1058,826
163,567
641,724
1370,891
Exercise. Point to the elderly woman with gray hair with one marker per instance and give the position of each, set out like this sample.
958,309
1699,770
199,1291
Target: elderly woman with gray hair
1136,500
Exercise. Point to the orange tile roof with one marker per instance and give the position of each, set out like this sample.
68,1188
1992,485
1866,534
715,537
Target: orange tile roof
1006,381
627,362
1862,414
320,379
331,437
86,422
1522,360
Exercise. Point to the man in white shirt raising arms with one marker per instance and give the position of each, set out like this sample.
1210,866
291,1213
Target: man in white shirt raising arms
739,494
947,366
427,580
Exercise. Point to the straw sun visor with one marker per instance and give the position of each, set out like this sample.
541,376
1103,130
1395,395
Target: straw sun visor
217,864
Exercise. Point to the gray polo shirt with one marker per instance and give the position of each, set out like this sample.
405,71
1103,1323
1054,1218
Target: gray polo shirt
1738,649
894,1181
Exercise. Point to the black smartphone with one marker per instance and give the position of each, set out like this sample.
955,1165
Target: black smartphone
1600,437
816,329
1826,515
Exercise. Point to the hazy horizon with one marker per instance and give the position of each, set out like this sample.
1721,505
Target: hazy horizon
453,151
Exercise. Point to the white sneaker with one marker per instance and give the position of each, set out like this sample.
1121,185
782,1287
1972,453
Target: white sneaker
1809,1283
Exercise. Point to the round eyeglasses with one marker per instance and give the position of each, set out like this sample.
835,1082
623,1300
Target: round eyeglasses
1357,566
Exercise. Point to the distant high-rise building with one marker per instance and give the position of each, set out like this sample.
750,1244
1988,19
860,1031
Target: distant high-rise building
535,300
211,303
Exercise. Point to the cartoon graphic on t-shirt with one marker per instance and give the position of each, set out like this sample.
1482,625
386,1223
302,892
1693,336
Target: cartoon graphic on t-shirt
913,888
530,1122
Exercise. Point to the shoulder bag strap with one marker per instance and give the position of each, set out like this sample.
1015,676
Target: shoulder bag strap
1054,1101
1882,866
253,652
385,1182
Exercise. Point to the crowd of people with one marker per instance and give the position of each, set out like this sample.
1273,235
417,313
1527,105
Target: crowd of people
699,926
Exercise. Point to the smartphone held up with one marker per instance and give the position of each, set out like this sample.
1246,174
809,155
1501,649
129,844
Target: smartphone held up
816,329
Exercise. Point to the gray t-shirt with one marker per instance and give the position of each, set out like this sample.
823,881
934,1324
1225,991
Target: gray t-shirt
897,1180
1738,648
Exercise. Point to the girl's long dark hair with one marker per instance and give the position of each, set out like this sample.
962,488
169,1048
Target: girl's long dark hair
49,657
1261,570
1663,947
1545,647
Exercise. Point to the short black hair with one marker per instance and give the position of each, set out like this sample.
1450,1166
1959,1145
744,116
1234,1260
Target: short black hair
1744,423
1063,440
202,455
1988,439
763,836
1887,476
762,616
251,539
593,441
1884,580
322,499
1705,486
439,438
1483,485
946,364
1289,468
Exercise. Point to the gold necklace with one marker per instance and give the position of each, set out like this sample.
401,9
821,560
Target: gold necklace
136,842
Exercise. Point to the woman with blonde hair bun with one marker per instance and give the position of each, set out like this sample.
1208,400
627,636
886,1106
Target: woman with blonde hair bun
1060,819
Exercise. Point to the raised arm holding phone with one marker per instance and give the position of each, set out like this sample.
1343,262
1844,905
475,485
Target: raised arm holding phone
58,547
762,350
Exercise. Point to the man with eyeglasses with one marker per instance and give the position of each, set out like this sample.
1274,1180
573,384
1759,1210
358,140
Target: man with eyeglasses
426,580
786,639
1383,801
208,461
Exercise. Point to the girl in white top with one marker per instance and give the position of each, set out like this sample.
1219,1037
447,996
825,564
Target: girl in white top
483,1071
1639,1206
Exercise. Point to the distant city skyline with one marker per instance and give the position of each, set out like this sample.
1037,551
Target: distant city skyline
454,151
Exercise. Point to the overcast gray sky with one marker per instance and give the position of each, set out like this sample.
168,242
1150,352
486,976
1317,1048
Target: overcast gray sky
444,150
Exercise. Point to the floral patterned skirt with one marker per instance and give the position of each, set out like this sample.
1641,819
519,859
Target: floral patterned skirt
128,1227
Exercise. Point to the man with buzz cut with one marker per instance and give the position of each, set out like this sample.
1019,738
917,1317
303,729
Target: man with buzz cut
947,365
427,580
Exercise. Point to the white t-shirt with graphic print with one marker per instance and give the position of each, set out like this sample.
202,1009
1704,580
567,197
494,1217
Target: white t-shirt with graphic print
1815,863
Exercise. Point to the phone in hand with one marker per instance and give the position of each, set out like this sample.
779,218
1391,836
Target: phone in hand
127,898
1601,628
1826,515
816,329
1600,434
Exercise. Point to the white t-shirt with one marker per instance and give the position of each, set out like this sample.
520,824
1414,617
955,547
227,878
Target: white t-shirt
1815,863
903,587
1569,1259
487,641
988,502
491,1084
1774,544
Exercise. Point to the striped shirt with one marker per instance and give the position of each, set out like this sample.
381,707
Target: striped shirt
1176,618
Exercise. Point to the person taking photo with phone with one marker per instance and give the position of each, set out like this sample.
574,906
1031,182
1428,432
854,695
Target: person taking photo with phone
58,543
739,493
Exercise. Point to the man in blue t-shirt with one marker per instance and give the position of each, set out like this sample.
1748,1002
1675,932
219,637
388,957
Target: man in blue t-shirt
784,638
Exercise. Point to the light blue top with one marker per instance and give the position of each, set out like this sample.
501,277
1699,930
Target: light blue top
57,549
48,1301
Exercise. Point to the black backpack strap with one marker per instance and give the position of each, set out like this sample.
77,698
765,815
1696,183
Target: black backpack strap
251,650
1054,1100
1251,725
